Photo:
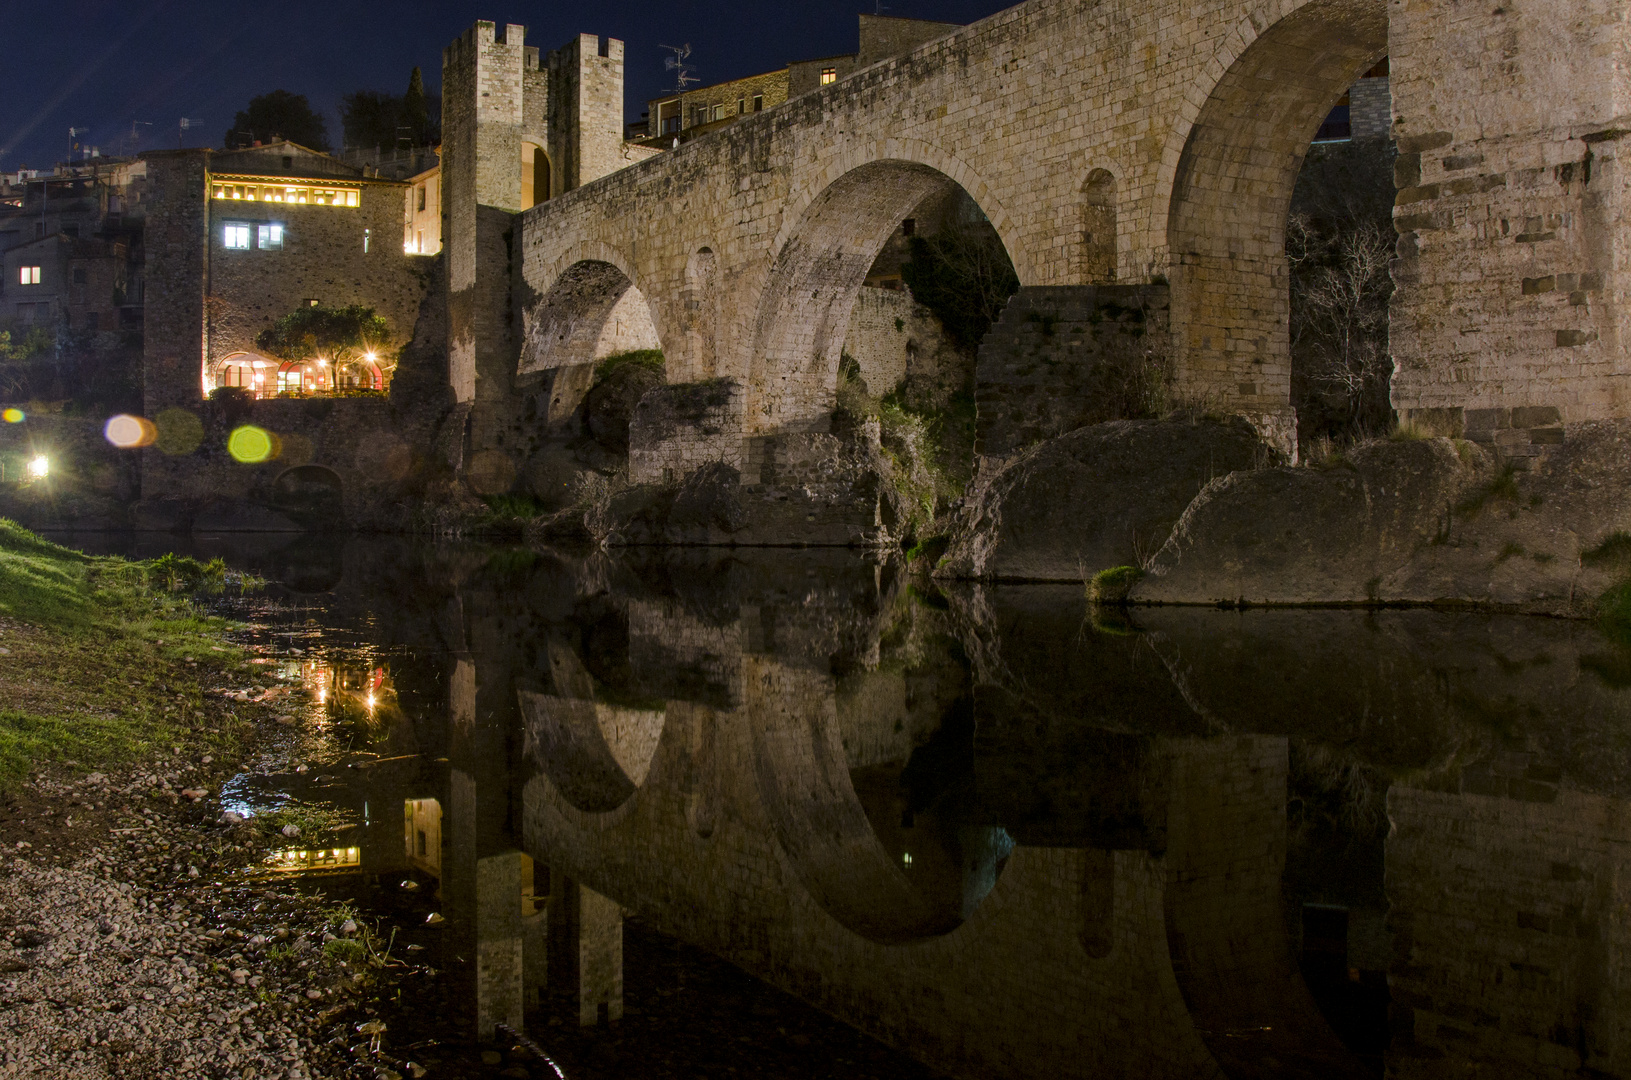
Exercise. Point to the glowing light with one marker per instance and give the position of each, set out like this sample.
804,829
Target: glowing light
370,701
370,357
39,467
906,858
250,444
13,416
128,432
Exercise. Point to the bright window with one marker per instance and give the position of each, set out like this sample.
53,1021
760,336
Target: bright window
235,236
29,275
829,75
718,113
268,236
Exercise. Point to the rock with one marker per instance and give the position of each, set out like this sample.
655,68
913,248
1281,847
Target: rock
314,994
1415,521
194,794
611,402
410,885
433,919
232,817
240,975
290,830
1094,498
348,927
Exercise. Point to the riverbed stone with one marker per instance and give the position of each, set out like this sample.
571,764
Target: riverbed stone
1097,497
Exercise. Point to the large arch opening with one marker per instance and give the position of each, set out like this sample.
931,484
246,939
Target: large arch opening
536,175
1231,195
804,315
592,312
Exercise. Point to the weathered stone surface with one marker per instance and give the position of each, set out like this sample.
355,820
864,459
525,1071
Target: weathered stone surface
1097,497
1312,535
611,402
1416,522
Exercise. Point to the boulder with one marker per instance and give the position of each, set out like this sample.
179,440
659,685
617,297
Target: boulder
1100,496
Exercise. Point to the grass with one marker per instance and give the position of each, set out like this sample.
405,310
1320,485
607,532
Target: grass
1112,586
648,358
103,656
1614,550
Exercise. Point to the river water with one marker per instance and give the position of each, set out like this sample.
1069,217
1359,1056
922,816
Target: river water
991,831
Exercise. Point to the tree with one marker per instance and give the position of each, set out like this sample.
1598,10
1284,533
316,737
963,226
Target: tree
279,115
309,333
964,276
370,118
376,118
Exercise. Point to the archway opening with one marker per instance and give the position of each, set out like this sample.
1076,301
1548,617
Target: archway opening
1227,221
878,211
245,371
311,495
536,175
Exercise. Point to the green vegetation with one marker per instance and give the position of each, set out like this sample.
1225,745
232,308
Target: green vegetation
1504,485
913,442
103,656
314,822
275,115
1112,586
343,335
1614,550
651,359
18,345
964,276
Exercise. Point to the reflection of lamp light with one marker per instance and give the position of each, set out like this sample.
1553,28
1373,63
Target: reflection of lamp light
370,701
39,467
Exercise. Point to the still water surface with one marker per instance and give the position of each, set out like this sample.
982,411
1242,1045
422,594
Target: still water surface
1001,834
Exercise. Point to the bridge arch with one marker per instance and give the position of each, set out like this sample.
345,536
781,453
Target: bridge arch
1225,181
593,307
828,241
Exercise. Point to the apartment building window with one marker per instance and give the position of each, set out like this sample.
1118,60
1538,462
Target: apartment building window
269,237
829,75
29,275
717,112
367,234
235,236
421,196
758,103
741,106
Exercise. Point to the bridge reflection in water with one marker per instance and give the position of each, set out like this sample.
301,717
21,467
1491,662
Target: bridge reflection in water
998,831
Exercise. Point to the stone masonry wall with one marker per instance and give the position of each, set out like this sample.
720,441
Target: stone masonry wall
1511,211
322,259
678,429
177,240
1064,357
1370,109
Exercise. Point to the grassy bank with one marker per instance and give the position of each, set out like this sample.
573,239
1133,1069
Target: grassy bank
101,659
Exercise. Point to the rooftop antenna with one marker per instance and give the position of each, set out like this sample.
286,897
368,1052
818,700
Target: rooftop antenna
134,136
879,7
74,133
676,64
185,124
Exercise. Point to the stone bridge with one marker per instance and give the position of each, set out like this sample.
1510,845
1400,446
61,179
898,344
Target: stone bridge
1122,144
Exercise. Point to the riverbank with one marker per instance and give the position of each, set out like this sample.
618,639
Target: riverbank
138,935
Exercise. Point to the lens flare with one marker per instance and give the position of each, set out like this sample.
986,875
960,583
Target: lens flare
129,432
40,467
250,444
12,416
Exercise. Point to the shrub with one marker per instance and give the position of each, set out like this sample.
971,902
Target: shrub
1112,586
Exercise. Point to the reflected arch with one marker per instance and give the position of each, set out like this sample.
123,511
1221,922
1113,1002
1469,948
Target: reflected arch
834,231
595,755
833,824
1228,171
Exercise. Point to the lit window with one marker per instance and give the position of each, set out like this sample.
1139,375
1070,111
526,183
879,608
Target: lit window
829,75
235,236
367,234
29,275
718,113
268,236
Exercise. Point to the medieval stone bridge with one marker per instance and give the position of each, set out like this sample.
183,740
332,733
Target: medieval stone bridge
1108,141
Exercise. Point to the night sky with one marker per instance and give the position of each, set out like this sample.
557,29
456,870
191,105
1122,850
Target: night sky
102,65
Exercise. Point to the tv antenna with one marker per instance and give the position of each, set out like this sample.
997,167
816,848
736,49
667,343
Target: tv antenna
73,134
879,7
186,123
676,64
134,136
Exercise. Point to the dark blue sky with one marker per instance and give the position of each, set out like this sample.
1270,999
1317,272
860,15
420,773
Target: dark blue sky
101,65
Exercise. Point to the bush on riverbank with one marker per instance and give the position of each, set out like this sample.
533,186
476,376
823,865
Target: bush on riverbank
102,656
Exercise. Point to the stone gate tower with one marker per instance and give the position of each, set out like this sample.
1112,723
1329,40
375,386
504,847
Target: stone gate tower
517,129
